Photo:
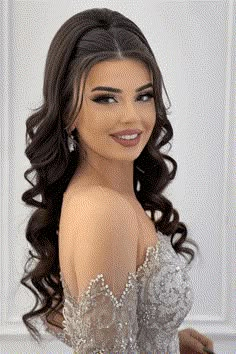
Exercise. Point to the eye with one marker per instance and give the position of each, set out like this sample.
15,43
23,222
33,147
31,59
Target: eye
103,99
149,96
106,99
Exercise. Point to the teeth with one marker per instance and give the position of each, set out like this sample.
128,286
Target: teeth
128,137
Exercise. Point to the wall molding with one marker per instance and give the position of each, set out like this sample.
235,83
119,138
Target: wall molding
6,113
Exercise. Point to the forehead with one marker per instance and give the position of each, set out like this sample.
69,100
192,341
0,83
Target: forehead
118,73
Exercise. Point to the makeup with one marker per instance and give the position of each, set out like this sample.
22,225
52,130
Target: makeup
127,143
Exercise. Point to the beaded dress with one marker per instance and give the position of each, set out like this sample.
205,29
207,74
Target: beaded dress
144,319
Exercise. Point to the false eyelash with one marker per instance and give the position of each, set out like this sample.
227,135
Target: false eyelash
101,97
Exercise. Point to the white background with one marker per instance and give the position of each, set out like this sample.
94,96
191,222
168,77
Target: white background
194,44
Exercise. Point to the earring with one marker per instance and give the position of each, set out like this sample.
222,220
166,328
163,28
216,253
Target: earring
71,142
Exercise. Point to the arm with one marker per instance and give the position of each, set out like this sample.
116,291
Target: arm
105,249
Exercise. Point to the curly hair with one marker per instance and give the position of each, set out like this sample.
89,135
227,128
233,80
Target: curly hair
85,39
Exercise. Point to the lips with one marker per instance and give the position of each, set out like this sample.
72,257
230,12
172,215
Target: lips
128,132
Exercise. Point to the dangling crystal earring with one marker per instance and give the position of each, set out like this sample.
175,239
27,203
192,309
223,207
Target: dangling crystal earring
71,142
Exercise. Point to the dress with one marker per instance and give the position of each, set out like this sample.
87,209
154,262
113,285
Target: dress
145,319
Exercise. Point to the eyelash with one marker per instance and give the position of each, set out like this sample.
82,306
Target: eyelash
101,98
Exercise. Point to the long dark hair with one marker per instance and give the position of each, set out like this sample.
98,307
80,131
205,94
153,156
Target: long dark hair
83,40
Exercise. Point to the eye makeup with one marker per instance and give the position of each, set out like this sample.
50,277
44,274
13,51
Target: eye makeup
102,98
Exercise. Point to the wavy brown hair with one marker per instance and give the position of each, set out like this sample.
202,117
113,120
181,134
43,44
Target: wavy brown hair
83,40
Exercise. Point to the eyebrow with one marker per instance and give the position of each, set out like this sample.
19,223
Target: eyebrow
112,89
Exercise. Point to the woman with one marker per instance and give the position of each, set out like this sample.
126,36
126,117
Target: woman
115,271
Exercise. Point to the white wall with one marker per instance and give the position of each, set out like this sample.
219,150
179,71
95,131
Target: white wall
194,43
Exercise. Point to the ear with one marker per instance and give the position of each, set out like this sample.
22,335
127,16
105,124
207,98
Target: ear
70,130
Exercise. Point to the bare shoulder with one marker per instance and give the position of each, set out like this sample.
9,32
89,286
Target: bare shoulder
102,203
99,235
95,196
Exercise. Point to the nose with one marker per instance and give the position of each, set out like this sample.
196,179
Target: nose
130,112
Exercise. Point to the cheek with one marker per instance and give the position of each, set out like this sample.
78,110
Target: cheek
150,115
102,121
153,114
94,129
154,118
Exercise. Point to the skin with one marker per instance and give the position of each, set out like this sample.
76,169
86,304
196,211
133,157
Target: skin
96,121
125,110
193,342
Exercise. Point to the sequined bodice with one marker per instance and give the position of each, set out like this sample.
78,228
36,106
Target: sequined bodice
144,319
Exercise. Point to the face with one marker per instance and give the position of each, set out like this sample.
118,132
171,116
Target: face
104,112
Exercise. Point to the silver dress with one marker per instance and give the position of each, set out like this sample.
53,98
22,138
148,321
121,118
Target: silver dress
145,319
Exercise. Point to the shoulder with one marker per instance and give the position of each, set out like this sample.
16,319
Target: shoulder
104,237
95,196
102,230
96,205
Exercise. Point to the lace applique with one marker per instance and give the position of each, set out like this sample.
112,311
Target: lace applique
151,259
145,318
99,321
164,300
100,317
74,310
